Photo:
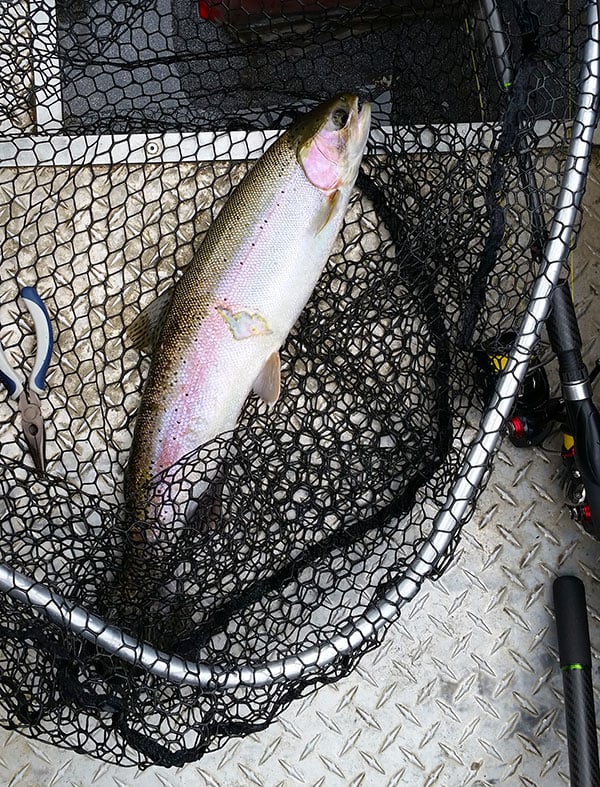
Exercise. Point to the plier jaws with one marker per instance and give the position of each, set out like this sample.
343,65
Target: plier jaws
33,428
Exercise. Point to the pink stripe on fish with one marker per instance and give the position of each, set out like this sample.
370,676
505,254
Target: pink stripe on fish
180,425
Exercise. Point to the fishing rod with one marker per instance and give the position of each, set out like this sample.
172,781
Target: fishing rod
531,422
576,667
535,411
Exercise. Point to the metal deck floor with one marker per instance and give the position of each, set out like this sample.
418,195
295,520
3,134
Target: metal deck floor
466,688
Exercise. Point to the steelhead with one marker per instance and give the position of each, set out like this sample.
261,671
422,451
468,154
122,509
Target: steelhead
215,336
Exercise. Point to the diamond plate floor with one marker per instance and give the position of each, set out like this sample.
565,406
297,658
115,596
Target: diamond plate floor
464,691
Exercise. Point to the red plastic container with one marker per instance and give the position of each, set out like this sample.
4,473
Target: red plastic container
246,13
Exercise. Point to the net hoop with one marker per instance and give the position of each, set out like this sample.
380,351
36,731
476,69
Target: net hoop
114,641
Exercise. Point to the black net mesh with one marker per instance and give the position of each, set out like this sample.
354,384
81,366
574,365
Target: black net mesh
124,128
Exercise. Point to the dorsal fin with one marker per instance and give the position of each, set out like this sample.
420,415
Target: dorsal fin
144,330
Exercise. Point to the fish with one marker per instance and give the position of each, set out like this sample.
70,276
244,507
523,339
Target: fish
216,335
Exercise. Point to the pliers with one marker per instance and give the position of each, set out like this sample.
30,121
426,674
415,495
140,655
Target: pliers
26,391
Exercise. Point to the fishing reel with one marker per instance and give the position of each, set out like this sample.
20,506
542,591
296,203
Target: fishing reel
532,421
575,487
536,413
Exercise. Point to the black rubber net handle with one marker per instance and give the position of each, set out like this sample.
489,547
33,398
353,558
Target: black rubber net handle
582,414
576,663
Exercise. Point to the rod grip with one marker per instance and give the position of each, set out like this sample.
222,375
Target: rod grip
575,661
564,335
562,321
571,622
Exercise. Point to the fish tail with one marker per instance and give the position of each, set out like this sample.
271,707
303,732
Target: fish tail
136,580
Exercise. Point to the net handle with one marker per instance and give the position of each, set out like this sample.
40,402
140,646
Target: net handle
446,524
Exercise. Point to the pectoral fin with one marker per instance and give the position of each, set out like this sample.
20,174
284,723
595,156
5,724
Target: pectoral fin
144,330
326,211
268,383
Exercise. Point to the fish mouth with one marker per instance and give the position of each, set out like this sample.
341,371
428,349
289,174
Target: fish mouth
358,122
353,120
359,126
355,133
363,111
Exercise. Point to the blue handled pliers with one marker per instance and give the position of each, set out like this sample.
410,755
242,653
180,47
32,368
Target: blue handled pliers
26,391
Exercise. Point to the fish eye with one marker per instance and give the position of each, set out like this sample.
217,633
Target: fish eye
339,117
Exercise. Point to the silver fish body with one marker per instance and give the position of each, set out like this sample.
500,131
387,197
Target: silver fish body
227,317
